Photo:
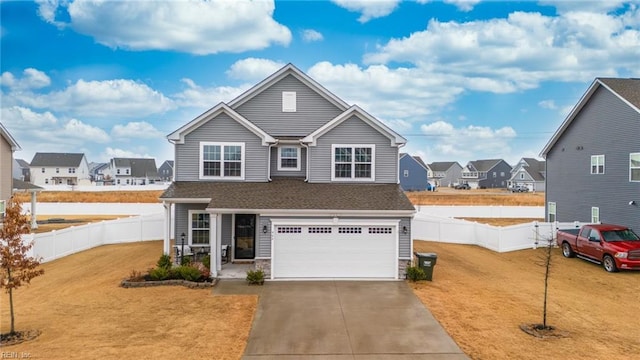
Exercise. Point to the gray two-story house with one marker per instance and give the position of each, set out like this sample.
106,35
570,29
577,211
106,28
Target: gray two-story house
486,174
530,173
593,159
444,173
290,177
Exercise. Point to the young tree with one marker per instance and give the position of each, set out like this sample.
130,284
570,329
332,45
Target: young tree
16,267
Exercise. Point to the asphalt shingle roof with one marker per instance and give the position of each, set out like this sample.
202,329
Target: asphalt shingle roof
139,167
292,193
57,159
629,89
441,166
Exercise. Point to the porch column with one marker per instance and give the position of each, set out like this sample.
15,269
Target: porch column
214,240
34,221
167,229
218,241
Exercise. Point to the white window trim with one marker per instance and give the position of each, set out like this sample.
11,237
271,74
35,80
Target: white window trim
552,205
353,178
595,218
190,236
222,145
3,209
298,151
289,100
597,165
406,173
633,167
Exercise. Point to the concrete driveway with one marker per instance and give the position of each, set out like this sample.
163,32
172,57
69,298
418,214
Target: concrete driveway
345,320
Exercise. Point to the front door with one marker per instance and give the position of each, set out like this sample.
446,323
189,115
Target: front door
245,236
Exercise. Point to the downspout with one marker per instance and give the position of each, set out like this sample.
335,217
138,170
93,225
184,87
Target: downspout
269,161
398,164
306,179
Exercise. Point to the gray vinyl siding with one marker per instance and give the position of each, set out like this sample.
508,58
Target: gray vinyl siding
499,181
182,220
6,164
226,232
605,126
220,129
312,110
274,164
354,131
263,246
404,246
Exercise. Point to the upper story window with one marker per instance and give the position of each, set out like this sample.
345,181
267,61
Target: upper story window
126,171
221,160
57,170
521,176
634,167
118,171
289,158
406,173
43,170
289,101
597,164
353,162
72,170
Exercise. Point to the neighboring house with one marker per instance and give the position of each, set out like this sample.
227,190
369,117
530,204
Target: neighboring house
133,171
593,159
97,172
484,174
413,173
293,179
7,146
528,172
59,169
21,170
165,171
445,173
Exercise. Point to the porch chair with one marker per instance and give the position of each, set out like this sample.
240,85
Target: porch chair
188,252
224,253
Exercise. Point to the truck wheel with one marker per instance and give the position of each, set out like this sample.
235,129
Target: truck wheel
567,251
609,264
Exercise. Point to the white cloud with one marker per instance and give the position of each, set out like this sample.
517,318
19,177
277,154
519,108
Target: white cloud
253,69
402,93
200,97
522,50
110,152
77,129
548,104
197,27
463,5
109,98
310,35
31,79
369,9
564,6
470,142
23,118
136,130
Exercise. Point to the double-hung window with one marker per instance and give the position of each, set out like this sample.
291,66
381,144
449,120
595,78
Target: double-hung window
289,158
199,228
595,215
552,211
597,164
353,162
221,160
634,167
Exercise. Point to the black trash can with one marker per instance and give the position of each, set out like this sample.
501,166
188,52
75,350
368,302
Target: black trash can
426,262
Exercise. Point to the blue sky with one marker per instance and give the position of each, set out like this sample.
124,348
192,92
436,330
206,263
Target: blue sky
460,79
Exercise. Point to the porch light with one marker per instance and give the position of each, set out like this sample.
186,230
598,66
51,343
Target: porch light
404,229
264,229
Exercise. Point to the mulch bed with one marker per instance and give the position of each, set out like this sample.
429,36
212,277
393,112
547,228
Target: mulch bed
149,283
18,337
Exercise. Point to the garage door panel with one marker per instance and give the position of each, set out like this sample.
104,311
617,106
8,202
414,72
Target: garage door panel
334,252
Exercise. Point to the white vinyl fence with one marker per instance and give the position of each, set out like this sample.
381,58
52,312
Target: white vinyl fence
56,244
43,208
430,227
461,211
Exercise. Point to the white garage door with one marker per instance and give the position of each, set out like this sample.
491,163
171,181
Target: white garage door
334,252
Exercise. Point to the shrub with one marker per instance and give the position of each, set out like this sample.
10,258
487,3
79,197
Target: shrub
204,270
136,276
255,277
415,273
206,261
164,261
185,261
189,273
159,273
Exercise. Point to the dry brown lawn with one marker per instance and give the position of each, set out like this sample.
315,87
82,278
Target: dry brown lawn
502,221
83,313
449,196
481,297
77,221
147,196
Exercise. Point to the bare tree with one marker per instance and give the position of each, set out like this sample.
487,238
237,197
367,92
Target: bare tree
16,266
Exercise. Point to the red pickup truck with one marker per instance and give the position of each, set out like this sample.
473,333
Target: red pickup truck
616,247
